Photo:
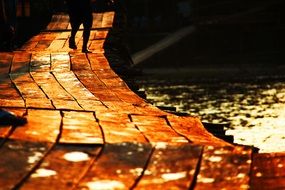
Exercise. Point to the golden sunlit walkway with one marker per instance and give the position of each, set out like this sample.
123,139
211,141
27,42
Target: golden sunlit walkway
87,130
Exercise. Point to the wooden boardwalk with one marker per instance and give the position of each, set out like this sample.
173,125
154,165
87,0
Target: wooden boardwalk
87,130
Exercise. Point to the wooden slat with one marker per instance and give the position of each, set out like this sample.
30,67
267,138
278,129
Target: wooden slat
97,46
193,129
9,96
100,34
25,84
28,46
92,105
268,171
98,61
73,86
20,62
64,104
18,159
5,64
121,107
112,116
82,69
224,168
62,168
40,62
126,95
156,129
6,130
42,126
118,167
117,132
97,20
107,20
80,128
50,86
57,45
172,167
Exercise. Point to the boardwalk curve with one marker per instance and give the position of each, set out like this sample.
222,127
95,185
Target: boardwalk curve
86,129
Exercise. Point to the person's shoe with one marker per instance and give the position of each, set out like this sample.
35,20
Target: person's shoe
85,50
72,44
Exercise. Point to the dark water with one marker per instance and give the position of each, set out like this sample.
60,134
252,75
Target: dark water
255,110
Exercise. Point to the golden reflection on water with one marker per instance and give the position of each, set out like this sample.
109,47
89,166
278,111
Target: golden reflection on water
256,111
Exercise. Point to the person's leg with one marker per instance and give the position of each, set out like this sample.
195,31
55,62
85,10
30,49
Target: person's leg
87,24
74,28
74,19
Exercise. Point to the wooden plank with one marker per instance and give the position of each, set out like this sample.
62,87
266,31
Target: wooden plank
42,126
30,91
97,20
97,46
28,46
147,109
73,86
268,171
102,73
42,103
60,62
118,167
18,160
80,128
98,61
62,168
8,90
56,45
6,130
50,86
114,83
79,62
43,45
225,168
121,107
172,167
117,132
126,95
5,64
40,62
92,105
156,129
62,104
100,34
193,129
12,102
108,18
20,62
9,96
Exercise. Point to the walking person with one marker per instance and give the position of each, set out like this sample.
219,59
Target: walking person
80,12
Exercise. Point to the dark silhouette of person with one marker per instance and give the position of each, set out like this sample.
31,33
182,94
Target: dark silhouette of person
80,12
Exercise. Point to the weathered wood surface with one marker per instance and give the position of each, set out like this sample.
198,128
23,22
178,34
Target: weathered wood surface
268,171
87,130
